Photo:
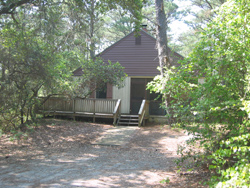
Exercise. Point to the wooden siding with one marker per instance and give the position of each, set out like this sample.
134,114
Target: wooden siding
138,60
109,91
124,95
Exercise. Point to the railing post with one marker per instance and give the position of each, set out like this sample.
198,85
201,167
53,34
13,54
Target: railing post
74,110
140,114
117,111
143,111
94,112
44,109
54,112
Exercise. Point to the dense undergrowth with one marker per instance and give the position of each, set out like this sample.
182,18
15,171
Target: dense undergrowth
210,91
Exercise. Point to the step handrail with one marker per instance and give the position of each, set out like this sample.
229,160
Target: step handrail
117,111
143,112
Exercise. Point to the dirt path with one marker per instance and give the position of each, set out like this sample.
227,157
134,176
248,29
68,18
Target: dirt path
60,154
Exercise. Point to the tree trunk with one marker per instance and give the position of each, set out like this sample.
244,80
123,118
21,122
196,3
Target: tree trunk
2,79
161,43
91,31
161,36
21,118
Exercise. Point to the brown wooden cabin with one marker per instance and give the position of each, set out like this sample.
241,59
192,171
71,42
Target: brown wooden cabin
139,56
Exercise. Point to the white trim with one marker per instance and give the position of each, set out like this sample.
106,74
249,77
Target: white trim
124,95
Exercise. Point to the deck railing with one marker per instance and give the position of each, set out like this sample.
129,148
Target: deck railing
143,112
82,107
117,111
57,104
106,108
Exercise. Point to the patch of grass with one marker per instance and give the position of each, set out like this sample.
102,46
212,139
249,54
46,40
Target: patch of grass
165,181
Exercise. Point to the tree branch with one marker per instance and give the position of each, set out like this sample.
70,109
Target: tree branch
9,8
209,4
150,20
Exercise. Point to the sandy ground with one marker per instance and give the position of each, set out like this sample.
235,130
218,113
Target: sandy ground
60,153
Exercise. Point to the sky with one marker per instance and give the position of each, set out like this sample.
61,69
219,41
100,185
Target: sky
178,27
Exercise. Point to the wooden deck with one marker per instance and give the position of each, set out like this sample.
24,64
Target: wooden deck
95,108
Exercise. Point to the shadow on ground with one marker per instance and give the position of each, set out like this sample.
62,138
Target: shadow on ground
59,154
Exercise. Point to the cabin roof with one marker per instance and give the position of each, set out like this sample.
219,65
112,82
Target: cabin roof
138,59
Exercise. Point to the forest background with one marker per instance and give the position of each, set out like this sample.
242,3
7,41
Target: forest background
42,42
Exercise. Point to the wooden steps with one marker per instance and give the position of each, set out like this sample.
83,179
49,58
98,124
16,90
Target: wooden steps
128,120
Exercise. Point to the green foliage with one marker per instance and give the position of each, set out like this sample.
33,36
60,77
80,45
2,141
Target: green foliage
31,62
165,181
186,42
42,43
23,73
232,161
96,75
171,11
220,106
118,25
203,12
200,13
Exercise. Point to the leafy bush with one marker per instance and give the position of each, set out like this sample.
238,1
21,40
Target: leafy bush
232,162
219,108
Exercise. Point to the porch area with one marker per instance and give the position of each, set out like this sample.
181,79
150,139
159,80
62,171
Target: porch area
93,108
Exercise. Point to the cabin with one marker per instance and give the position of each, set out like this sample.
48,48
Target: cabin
139,56
130,105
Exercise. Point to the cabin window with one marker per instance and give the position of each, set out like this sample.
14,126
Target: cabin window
102,93
138,40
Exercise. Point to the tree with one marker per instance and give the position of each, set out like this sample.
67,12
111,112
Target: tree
86,19
201,12
220,106
96,75
207,10
118,24
23,73
40,55
161,43
149,15
161,36
186,42
8,7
